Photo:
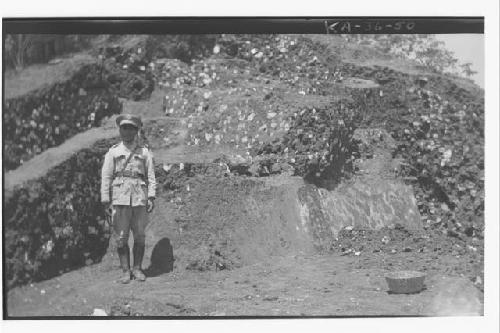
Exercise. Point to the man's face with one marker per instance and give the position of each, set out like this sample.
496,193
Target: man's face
128,132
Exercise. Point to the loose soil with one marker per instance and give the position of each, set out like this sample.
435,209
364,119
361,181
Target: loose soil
299,285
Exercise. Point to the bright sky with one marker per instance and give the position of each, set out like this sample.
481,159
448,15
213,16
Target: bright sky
467,48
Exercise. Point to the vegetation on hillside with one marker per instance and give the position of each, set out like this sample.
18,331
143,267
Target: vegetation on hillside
426,50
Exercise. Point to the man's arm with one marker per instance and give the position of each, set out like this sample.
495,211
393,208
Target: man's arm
106,177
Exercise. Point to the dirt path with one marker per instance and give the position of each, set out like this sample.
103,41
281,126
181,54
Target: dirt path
328,285
42,163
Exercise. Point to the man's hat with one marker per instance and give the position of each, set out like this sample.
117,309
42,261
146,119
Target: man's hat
129,119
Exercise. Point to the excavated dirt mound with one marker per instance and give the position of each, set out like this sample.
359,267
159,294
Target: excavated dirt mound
213,221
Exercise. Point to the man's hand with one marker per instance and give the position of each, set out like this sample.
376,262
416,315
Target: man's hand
108,208
151,205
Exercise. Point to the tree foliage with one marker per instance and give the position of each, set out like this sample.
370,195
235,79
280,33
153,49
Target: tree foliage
25,49
426,50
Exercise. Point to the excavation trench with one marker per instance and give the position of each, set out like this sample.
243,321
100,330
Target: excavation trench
210,221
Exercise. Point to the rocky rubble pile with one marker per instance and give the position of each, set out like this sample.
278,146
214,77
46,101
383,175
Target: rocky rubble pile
443,141
221,110
129,71
134,69
173,177
439,129
418,248
258,166
47,117
187,48
296,61
187,88
320,143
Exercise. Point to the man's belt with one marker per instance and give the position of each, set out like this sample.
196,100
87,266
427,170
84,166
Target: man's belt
129,174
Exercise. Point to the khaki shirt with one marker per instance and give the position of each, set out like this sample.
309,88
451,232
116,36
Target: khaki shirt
127,190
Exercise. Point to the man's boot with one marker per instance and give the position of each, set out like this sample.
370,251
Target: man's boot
138,252
124,255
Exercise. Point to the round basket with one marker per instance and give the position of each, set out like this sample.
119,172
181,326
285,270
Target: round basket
405,282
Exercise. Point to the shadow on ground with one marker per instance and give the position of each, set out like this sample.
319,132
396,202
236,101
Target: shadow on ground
162,259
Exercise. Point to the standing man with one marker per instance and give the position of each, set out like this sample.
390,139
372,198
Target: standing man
128,190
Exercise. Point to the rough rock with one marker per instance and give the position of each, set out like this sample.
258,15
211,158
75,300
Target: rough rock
363,205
